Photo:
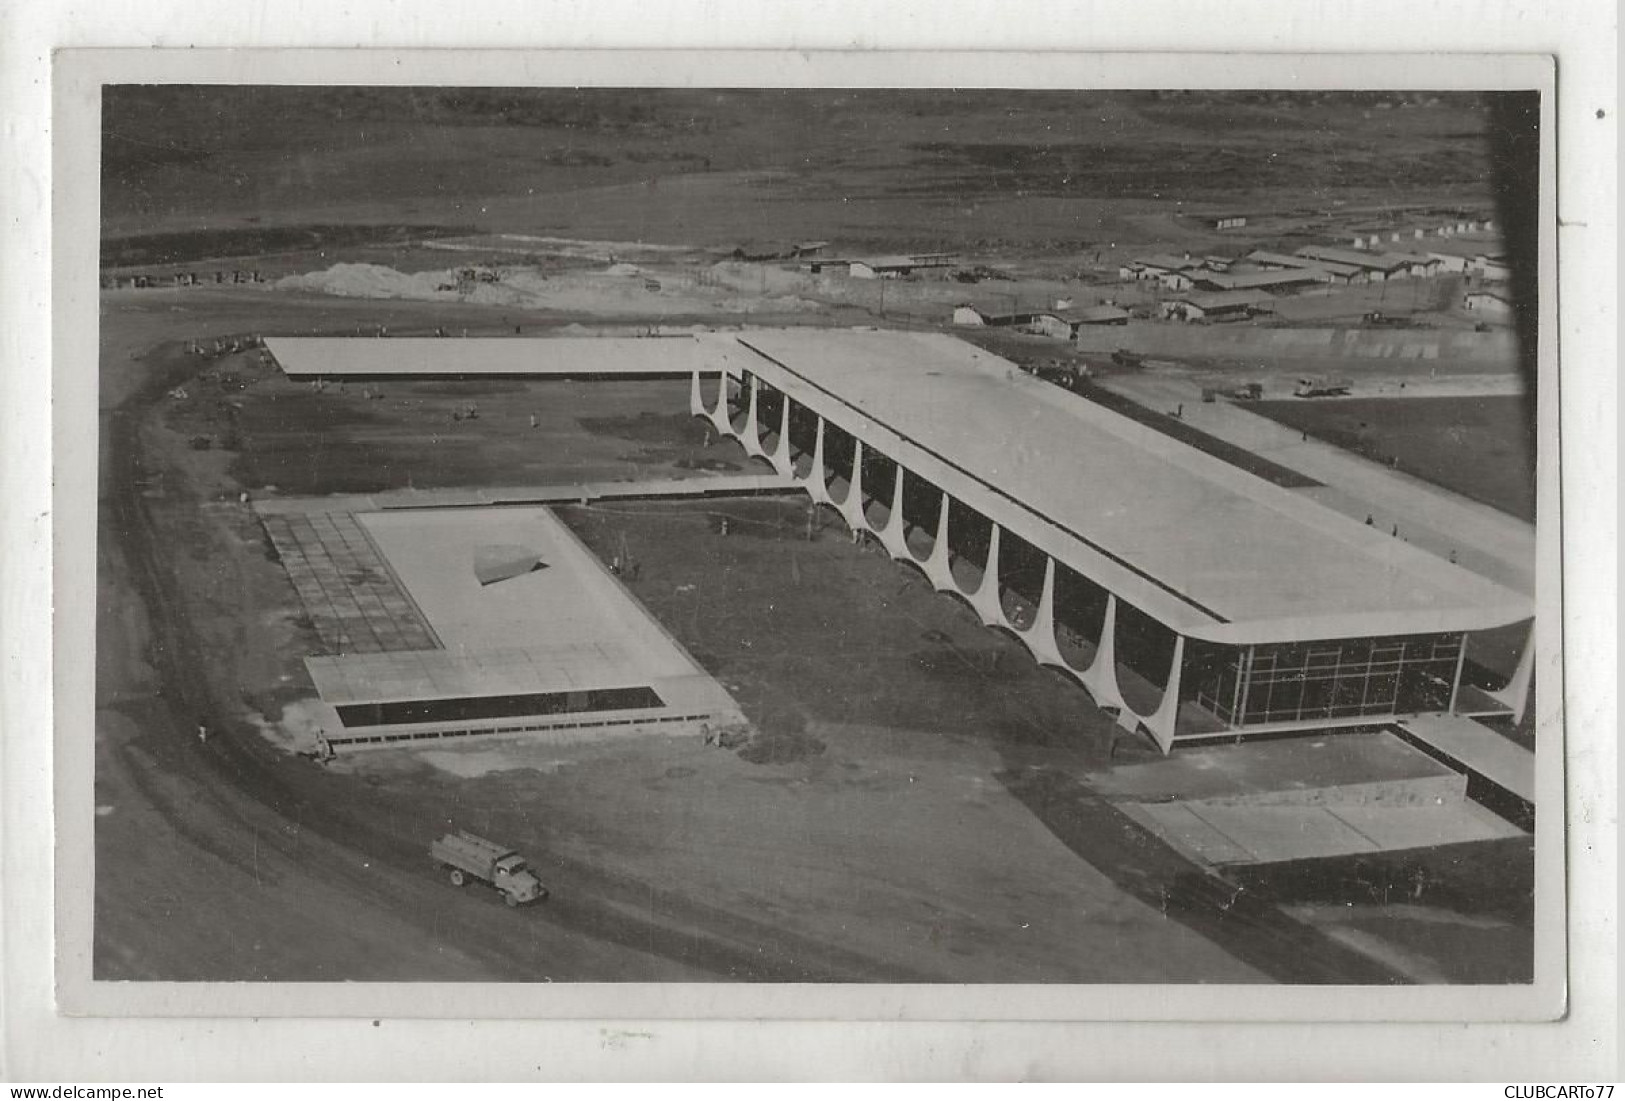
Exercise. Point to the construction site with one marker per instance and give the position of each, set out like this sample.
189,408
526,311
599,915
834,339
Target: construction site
813,594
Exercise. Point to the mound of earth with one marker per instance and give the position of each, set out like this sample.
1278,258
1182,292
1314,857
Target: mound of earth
784,748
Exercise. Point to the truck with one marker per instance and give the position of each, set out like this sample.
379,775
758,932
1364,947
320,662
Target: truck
463,856
1322,388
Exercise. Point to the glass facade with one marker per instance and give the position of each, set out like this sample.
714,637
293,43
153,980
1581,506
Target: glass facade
476,708
1335,679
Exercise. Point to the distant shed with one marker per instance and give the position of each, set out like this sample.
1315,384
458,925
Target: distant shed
1291,281
1221,306
893,267
1491,304
1171,272
1098,315
1379,266
1053,325
971,315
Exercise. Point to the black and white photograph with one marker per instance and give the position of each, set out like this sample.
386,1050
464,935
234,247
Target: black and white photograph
784,538
817,535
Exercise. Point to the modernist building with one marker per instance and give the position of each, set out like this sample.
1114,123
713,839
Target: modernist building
1190,598
1187,596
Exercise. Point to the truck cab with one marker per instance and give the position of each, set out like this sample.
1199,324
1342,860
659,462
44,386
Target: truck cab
513,877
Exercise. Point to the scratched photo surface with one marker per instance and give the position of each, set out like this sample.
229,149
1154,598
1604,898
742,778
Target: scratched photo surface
816,536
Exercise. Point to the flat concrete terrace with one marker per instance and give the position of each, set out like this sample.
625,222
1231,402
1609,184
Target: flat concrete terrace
455,357
554,643
1207,549
1480,750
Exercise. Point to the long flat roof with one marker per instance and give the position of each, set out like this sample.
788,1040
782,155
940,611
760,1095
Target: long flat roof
1190,538
1378,261
406,356
1210,300
1248,279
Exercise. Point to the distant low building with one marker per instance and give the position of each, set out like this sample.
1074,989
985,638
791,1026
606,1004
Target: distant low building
1378,266
1227,221
1335,273
778,250
1281,282
1098,315
1432,262
1493,305
884,267
1170,272
1220,306
1065,326
970,315
1052,325
1057,324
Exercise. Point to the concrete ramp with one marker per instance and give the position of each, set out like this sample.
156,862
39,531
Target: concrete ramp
1479,750
1272,801
1236,834
1362,767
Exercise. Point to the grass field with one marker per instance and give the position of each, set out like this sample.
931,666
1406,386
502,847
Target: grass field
1480,447
1044,171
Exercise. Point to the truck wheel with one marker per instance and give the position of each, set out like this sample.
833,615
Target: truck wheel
509,899
457,877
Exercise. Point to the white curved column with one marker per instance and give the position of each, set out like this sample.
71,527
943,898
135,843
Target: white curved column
719,415
852,507
1101,676
780,457
894,537
1516,694
1161,722
986,597
936,565
696,400
750,434
1039,636
817,486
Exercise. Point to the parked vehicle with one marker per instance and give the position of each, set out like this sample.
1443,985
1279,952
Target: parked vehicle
463,856
1322,388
